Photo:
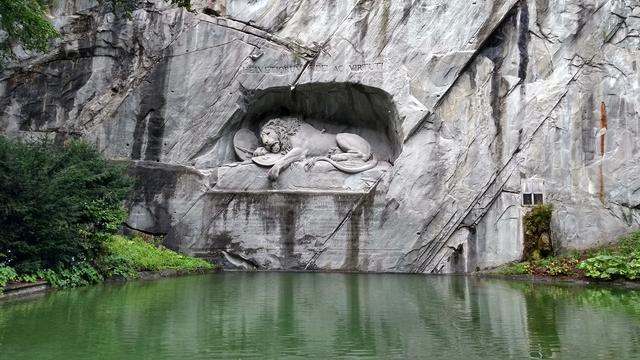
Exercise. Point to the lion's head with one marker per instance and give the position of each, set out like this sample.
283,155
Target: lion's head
275,134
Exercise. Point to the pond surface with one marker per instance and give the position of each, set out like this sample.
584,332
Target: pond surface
323,316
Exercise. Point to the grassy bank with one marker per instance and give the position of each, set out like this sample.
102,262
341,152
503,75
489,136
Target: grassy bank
127,257
611,262
123,258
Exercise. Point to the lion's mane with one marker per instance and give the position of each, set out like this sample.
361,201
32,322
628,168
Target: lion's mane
285,128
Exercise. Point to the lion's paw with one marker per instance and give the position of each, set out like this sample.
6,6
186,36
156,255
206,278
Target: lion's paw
273,174
311,163
339,157
260,151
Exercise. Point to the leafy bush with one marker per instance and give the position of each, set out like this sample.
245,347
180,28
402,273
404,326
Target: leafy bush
621,260
633,268
131,255
617,261
28,278
551,266
556,266
518,269
6,274
537,232
630,244
606,267
115,265
124,257
82,274
58,204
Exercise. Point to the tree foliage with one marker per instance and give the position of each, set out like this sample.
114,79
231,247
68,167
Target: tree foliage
25,22
6,274
58,204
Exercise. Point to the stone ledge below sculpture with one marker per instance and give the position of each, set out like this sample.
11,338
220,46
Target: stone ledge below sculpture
247,176
285,230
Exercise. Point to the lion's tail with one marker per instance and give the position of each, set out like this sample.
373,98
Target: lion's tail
351,170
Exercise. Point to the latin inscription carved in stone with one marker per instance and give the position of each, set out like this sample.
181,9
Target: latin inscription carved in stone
297,68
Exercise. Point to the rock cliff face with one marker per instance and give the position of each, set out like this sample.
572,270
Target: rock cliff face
470,105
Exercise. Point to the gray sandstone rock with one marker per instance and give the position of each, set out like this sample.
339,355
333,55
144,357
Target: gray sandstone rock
463,101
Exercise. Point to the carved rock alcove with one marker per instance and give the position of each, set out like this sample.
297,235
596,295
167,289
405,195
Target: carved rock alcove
354,114
338,107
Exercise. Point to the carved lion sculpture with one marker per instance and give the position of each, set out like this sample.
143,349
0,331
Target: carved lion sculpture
297,140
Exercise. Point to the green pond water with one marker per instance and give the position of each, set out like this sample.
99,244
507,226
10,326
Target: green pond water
323,316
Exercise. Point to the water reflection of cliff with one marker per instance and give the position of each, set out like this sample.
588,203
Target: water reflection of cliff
243,315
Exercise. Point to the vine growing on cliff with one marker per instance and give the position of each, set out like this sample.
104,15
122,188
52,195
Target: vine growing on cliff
537,232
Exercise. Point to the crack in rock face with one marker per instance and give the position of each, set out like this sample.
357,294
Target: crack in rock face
460,103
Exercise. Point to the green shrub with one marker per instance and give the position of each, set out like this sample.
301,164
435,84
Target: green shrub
630,244
551,266
28,278
58,204
606,267
6,274
633,267
518,269
124,257
81,274
537,232
116,265
129,255
617,261
561,266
